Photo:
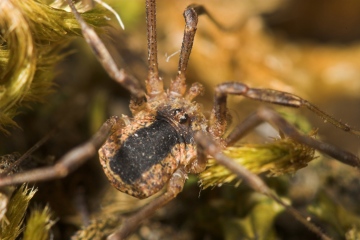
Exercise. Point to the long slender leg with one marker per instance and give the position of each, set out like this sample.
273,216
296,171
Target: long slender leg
268,115
218,114
154,84
127,81
178,86
174,187
68,163
191,13
255,182
243,128
27,154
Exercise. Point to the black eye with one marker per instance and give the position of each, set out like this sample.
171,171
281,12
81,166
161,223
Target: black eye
183,118
177,111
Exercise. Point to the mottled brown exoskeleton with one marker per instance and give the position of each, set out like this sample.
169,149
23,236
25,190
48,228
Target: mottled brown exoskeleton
169,137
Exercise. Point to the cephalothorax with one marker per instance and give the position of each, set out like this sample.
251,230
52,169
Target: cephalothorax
168,135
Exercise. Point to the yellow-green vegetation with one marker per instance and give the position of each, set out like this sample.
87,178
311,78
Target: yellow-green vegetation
11,224
342,221
32,36
276,158
257,224
353,234
38,224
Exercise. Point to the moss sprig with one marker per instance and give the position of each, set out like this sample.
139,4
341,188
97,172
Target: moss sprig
11,224
282,156
39,224
31,39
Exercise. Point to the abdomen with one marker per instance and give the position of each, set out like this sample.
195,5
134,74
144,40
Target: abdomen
145,160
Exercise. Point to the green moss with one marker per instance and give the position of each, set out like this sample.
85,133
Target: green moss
340,221
38,224
279,157
257,224
11,224
32,37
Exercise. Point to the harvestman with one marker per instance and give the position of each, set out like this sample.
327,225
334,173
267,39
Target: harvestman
168,136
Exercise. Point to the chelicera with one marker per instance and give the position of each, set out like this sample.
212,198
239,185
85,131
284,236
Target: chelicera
169,137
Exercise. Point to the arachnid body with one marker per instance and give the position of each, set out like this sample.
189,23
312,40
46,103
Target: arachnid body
169,136
140,157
